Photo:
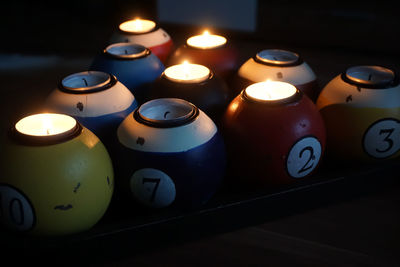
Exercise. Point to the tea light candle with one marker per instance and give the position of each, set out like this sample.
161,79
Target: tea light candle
210,50
206,41
270,91
54,186
196,84
87,96
147,33
277,65
137,26
187,73
170,140
46,124
133,65
280,132
361,111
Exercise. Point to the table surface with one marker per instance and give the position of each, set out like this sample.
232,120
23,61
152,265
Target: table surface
360,231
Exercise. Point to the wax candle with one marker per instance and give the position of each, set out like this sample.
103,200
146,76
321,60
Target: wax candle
210,50
134,65
274,134
137,26
165,145
270,91
187,73
46,124
147,33
361,109
48,163
206,41
87,96
277,65
194,83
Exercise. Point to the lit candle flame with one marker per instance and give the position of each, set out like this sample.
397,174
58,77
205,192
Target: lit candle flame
206,33
186,69
138,25
46,124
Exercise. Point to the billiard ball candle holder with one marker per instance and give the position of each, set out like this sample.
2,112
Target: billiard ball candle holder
96,99
196,84
57,176
278,65
134,65
274,135
361,110
171,155
146,33
210,50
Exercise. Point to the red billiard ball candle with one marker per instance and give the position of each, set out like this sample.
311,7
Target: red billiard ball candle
361,109
278,65
213,51
146,33
196,84
274,134
57,176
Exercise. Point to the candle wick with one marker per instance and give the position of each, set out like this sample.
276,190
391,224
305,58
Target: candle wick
48,131
369,77
126,52
84,80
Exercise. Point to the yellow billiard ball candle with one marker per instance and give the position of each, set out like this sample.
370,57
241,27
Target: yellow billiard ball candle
361,109
57,176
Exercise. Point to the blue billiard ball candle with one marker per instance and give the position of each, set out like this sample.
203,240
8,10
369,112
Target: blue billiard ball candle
171,154
96,99
134,65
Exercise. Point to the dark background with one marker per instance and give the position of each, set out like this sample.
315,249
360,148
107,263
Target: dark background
334,227
78,27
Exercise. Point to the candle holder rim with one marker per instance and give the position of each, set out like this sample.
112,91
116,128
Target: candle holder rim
297,62
146,52
93,89
191,116
381,85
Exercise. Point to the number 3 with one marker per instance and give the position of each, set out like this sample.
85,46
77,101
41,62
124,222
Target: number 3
382,138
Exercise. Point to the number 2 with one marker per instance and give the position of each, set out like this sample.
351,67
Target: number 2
305,167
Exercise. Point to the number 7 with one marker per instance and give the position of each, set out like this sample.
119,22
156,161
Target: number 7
152,180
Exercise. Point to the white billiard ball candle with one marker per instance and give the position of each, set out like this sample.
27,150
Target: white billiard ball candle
206,41
137,26
187,73
270,91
